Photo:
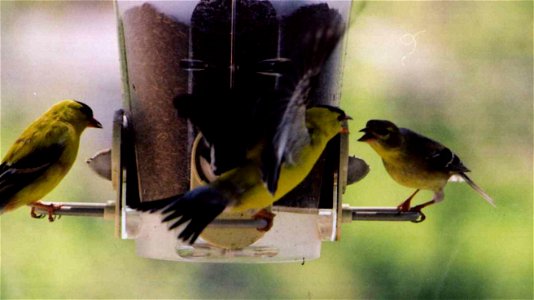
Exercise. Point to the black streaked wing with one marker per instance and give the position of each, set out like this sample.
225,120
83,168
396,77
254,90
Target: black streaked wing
321,35
199,207
445,159
290,135
15,176
437,156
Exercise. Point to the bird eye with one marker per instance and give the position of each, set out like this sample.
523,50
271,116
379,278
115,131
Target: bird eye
382,131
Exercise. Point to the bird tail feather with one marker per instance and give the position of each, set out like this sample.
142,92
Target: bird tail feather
154,205
477,189
199,207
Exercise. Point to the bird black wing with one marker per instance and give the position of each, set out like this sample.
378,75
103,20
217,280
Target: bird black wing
444,159
313,32
199,207
436,156
15,176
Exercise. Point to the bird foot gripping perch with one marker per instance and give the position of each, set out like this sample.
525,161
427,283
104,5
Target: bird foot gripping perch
406,207
267,216
417,209
50,210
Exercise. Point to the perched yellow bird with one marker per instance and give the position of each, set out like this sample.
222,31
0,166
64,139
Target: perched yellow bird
242,188
416,161
42,156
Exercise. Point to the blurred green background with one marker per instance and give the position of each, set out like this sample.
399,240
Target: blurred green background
460,72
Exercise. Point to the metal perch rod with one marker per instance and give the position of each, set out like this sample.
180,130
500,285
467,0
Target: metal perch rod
350,213
81,209
107,211
379,214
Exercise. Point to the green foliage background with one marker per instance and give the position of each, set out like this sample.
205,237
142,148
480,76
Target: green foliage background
460,72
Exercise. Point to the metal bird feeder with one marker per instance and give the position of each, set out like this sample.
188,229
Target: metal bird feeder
166,48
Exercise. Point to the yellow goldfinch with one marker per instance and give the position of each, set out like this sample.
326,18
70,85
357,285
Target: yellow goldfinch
242,188
269,98
42,155
416,161
318,30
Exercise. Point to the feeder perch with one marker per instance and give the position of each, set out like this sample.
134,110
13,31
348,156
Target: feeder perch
171,48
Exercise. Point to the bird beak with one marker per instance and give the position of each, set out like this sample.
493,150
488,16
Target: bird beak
367,136
345,129
94,123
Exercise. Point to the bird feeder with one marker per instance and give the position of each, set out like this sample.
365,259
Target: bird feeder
169,48
177,47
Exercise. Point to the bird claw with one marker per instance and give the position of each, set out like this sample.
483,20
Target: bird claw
417,209
50,208
267,216
420,219
36,215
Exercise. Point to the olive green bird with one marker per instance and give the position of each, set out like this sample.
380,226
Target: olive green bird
416,161
42,156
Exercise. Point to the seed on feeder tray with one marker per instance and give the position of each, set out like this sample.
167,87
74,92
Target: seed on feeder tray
100,163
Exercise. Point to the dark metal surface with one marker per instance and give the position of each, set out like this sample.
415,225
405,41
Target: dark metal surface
380,214
79,209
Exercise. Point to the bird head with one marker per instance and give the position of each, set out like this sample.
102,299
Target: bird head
382,132
76,113
327,119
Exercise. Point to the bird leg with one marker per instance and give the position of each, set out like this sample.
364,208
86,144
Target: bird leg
50,208
267,216
405,206
438,196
